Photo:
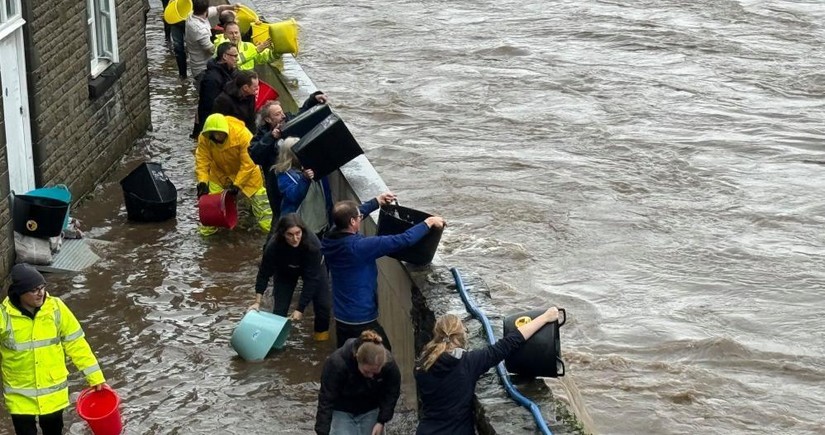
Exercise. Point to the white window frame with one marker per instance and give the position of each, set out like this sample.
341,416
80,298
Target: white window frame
101,18
10,22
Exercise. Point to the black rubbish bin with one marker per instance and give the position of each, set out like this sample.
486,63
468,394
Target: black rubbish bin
305,122
149,195
541,354
395,219
38,216
327,147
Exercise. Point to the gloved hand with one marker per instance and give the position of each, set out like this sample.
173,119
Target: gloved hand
203,189
233,189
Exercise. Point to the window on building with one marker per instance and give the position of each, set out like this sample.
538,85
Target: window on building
10,11
102,34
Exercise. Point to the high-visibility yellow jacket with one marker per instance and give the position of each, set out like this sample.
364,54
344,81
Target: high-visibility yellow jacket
33,353
227,163
248,55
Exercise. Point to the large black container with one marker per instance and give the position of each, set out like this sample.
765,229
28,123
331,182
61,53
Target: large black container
395,219
541,355
305,122
38,216
327,147
149,195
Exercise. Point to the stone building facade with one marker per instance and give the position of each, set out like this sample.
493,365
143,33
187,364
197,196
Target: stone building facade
75,95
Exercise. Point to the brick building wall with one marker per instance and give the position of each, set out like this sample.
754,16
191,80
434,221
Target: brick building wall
6,239
76,139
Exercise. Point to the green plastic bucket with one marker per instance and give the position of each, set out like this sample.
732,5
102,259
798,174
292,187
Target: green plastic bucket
259,332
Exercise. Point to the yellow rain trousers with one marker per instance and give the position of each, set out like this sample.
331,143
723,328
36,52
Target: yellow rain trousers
259,203
221,165
34,353
248,55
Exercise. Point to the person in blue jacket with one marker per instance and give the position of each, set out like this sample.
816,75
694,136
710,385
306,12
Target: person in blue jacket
300,192
446,373
351,261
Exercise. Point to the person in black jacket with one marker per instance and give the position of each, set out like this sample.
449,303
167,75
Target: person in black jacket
295,253
219,72
264,145
360,385
238,98
446,374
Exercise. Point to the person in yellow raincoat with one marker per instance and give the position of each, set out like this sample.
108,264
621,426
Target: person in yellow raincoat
249,53
222,162
37,331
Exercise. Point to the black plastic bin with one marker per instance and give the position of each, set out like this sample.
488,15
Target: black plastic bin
327,147
305,122
395,219
541,355
38,216
149,195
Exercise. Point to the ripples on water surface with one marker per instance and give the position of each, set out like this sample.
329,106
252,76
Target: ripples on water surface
653,166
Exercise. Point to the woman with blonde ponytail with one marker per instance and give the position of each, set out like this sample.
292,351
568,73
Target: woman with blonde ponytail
446,374
360,385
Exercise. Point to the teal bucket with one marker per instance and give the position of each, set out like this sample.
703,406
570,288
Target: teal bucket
259,332
59,193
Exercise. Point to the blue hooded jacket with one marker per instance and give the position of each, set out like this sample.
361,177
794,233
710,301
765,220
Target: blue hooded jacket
351,261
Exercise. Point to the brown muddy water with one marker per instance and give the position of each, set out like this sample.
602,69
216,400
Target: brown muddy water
654,166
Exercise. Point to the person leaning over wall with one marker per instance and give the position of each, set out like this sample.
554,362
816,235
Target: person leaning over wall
37,332
446,373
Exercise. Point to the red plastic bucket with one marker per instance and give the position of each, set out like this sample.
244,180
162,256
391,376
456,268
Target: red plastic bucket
265,93
218,210
100,410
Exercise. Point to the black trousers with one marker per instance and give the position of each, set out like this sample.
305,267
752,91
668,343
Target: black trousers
282,291
50,424
344,332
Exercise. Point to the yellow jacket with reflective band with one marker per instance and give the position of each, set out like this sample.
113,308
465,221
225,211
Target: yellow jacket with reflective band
33,353
227,163
248,55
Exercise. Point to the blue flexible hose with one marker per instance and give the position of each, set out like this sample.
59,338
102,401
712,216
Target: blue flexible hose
502,372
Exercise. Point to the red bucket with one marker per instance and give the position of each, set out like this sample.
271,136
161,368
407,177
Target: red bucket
265,93
100,410
218,210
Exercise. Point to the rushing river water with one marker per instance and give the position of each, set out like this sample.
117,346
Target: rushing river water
655,167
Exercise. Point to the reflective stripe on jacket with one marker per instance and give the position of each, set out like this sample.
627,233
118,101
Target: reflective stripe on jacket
248,55
34,353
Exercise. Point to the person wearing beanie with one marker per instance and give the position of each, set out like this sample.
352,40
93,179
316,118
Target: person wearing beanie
37,331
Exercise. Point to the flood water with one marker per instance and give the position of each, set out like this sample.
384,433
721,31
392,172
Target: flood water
655,167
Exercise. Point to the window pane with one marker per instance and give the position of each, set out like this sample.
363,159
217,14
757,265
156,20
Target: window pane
11,8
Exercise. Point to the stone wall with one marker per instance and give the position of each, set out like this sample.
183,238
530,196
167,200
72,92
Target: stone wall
6,240
77,139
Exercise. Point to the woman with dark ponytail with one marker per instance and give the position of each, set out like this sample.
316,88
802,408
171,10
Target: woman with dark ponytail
446,374
360,386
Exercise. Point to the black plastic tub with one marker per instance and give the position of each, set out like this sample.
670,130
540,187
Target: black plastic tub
148,194
395,219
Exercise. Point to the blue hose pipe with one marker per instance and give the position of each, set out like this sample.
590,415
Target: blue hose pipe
502,372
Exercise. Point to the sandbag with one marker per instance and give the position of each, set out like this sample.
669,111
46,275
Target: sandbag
32,250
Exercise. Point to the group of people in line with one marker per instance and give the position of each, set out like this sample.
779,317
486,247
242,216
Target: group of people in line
314,241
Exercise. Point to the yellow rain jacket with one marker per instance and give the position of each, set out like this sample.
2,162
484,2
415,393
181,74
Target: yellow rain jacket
34,353
248,55
227,163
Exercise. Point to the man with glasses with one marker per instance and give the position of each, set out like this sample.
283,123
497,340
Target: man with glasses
37,331
351,260
219,72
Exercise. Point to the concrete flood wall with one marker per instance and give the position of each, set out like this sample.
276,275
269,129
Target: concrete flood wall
410,299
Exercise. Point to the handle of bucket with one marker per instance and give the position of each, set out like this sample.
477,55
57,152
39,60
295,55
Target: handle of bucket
562,316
